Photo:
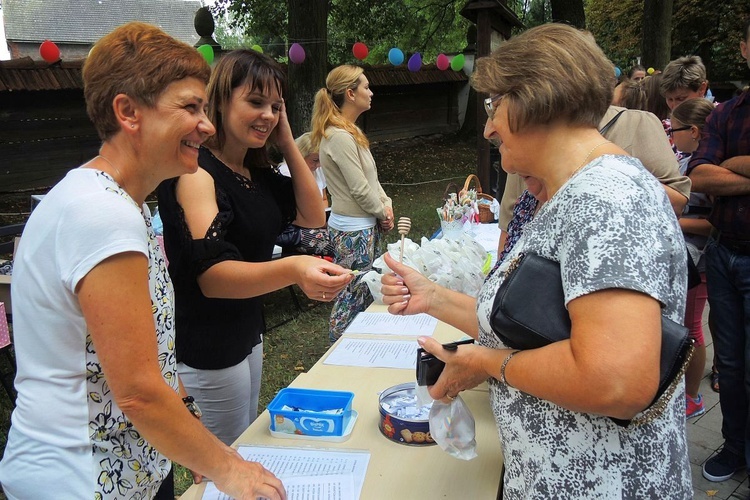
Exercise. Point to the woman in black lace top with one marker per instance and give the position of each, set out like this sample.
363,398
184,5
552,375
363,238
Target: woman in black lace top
220,225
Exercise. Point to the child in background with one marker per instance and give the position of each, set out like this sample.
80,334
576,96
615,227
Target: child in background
688,119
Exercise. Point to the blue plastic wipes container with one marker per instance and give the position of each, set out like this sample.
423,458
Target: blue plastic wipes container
311,412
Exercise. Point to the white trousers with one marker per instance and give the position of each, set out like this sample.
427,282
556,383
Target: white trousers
227,397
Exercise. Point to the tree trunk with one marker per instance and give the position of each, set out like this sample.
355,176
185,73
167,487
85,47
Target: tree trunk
656,45
569,11
308,20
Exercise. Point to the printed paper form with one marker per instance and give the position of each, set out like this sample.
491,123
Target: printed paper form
308,474
373,353
390,324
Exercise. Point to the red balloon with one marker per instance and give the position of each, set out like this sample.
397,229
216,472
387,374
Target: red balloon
360,50
49,51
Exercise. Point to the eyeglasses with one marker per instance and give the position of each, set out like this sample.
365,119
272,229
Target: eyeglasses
489,104
679,129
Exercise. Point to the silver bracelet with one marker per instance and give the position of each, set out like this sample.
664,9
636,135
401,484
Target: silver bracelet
504,365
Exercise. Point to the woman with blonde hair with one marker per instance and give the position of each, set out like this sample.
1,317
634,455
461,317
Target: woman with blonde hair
630,94
296,239
609,226
360,209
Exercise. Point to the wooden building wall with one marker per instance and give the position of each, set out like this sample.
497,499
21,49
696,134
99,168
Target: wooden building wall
43,134
412,110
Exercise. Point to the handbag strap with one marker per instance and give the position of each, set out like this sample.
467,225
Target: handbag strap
609,124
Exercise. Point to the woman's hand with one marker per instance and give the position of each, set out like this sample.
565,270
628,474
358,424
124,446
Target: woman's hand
282,135
406,291
250,480
388,223
320,279
463,368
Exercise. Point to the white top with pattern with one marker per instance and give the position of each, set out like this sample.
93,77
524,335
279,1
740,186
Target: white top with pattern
69,436
609,226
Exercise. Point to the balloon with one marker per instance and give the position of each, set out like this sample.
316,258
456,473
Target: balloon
415,62
257,48
457,63
360,50
618,72
442,62
650,71
296,53
49,51
395,56
207,52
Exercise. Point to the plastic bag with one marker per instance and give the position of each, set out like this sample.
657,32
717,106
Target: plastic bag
372,279
452,428
459,265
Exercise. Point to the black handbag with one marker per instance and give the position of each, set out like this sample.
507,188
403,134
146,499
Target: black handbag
529,312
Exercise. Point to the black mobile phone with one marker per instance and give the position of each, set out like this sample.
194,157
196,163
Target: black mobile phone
429,367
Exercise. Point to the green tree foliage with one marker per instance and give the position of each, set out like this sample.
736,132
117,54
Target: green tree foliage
617,28
426,26
706,28
712,30
539,12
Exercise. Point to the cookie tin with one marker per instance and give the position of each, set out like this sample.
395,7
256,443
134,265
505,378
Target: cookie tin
400,418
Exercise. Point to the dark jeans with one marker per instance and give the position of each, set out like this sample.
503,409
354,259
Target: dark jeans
728,280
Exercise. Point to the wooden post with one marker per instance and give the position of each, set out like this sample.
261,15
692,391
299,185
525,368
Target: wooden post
488,16
484,35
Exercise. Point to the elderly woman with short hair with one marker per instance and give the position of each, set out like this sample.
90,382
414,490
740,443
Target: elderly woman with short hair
609,225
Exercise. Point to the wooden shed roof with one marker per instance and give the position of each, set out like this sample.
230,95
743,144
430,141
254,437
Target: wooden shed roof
27,74
388,75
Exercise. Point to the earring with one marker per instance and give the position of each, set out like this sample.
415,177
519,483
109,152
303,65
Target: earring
132,125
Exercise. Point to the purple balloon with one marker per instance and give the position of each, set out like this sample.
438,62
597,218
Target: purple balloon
297,53
442,62
415,62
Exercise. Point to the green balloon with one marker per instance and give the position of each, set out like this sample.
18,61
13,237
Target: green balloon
207,52
457,64
257,48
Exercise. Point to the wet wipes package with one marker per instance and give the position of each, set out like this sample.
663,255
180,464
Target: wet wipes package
310,412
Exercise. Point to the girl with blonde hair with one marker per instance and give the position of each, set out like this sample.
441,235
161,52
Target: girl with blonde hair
360,209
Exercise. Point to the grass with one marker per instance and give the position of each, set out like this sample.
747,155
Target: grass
415,174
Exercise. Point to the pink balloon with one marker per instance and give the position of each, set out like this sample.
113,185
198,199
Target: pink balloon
297,53
442,62
49,51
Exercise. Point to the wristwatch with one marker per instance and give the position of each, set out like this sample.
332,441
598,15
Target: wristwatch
192,406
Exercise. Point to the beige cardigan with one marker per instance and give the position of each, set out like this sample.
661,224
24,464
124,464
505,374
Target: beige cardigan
352,176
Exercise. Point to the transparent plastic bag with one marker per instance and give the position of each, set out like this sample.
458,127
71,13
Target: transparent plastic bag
452,428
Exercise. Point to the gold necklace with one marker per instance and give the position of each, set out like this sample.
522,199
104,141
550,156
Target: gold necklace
586,159
117,179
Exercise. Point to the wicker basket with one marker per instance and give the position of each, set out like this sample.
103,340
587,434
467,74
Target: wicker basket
485,213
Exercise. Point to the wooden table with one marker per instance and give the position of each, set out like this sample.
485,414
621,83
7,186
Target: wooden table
396,471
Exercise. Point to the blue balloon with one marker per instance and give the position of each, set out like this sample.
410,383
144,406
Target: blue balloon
618,72
395,56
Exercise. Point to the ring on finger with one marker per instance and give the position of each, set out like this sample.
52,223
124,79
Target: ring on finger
452,398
